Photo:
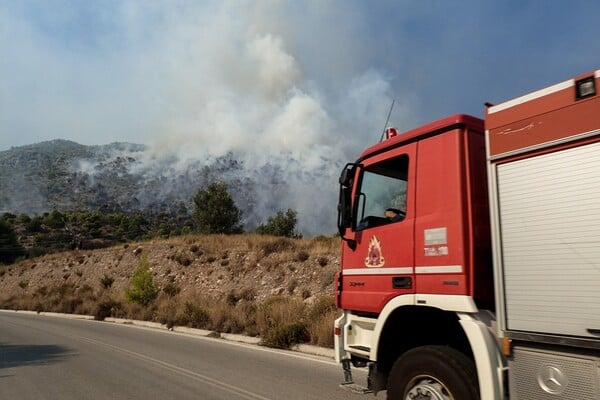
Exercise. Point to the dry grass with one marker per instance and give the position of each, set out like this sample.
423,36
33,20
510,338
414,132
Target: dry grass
280,321
321,329
275,288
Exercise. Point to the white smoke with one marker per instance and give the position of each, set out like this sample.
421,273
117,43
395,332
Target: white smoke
199,81
268,120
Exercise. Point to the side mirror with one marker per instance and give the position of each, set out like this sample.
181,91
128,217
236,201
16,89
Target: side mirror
345,202
344,210
346,176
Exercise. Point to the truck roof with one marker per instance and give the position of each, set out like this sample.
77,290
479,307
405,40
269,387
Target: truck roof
434,128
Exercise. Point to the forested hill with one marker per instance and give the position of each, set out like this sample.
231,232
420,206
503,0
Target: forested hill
67,176
119,178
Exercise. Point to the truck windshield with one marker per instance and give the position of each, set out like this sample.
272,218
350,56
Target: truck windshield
383,186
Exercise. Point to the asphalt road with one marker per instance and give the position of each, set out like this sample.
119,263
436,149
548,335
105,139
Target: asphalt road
43,357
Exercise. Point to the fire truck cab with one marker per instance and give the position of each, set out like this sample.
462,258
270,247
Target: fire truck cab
470,254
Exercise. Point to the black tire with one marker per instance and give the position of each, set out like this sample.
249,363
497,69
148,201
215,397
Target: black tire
438,371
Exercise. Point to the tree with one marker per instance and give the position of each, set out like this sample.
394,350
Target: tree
10,248
282,224
35,225
141,290
216,211
55,220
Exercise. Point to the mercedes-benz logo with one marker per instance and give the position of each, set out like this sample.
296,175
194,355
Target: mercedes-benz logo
551,379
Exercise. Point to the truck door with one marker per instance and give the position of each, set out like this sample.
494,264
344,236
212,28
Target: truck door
378,260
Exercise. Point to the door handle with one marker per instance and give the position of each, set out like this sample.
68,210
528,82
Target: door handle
401,282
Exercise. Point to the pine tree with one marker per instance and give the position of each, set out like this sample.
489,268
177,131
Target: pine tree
141,289
216,211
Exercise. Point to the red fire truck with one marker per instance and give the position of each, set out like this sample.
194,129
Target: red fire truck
470,264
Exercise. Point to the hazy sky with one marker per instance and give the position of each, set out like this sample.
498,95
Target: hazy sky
299,87
279,75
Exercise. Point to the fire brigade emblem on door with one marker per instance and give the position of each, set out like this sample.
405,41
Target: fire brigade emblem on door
374,257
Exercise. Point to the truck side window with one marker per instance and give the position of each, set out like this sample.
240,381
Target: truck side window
382,187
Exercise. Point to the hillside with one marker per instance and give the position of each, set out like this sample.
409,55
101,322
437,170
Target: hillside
241,284
131,178
66,176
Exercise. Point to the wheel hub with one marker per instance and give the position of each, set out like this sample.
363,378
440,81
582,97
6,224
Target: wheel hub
428,389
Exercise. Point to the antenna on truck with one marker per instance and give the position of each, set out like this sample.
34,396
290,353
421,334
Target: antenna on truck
387,120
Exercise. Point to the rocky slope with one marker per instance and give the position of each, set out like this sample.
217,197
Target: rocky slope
228,268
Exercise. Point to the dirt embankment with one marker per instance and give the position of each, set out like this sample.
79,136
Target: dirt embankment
234,274
215,265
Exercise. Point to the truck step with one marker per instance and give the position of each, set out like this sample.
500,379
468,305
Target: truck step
361,348
355,388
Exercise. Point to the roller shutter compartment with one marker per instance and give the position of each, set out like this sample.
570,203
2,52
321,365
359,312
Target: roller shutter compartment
549,213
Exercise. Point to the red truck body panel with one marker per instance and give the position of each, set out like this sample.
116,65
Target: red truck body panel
442,246
541,118
543,150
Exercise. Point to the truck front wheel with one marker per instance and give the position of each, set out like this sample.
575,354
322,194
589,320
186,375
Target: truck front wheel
433,373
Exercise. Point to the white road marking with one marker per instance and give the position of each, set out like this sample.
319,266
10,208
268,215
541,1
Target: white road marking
186,372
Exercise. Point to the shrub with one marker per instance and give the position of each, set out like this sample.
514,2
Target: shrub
10,248
233,297
321,330
321,315
282,224
322,306
42,291
277,246
282,337
227,318
141,289
35,225
280,323
183,259
302,256
197,315
86,288
64,289
69,305
24,219
292,285
107,281
105,309
170,314
327,277
55,220
171,289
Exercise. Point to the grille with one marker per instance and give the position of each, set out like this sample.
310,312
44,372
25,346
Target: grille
541,375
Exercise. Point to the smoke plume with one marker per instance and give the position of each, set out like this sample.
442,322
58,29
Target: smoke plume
292,102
